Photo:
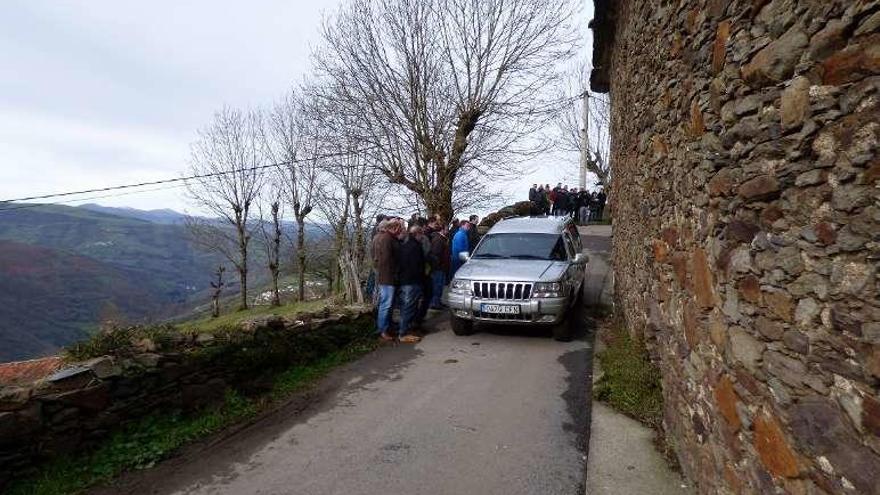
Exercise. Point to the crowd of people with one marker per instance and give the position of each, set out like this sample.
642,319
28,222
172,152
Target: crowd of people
582,205
412,262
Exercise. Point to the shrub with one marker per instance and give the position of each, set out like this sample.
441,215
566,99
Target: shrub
630,382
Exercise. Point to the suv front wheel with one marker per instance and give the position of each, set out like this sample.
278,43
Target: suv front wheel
460,326
565,330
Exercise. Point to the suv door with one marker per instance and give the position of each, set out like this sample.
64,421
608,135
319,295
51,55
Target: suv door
574,272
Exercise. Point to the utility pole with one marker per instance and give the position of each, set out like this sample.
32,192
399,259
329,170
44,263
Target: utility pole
585,138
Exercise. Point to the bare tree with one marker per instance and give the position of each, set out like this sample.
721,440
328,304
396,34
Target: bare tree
335,207
584,125
270,229
292,142
228,161
351,192
217,290
445,93
321,262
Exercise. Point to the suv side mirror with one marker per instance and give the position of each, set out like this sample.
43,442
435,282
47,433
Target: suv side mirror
464,256
581,258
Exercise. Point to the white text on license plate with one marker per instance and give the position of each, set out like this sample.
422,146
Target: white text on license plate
501,309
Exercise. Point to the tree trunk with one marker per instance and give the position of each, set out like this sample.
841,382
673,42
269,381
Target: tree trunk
301,255
341,228
218,289
242,266
440,203
350,279
276,294
360,247
275,256
242,277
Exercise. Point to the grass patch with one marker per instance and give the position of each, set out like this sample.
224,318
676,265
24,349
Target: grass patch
156,437
630,382
234,319
120,339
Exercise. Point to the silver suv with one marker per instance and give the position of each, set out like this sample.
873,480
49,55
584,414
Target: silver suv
527,270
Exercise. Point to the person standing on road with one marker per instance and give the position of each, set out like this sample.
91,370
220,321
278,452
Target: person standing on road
534,208
440,257
410,276
453,228
384,262
427,287
538,201
571,207
583,207
460,244
473,235
562,201
600,201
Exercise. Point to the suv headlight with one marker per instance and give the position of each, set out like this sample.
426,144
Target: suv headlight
460,286
547,289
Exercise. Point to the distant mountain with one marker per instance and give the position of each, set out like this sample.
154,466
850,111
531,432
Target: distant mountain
62,267
163,216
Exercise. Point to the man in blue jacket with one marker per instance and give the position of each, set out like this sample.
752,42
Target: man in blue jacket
460,244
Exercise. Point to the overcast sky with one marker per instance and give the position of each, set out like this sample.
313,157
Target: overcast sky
98,93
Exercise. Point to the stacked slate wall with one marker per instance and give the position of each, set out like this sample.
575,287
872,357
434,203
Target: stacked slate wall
77,407
746,152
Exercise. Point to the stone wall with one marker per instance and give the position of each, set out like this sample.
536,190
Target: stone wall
76,407
747,231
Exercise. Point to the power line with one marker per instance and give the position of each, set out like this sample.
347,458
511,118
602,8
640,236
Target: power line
154,183
151,183
91,198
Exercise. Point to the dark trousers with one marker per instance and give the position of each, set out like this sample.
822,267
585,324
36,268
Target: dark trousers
425,303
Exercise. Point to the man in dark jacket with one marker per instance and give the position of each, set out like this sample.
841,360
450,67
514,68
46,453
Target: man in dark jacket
440,258
572,202
420,233
410,275
533,200
600,207
473,235
562,201
384,262
542,201
453,227
583,207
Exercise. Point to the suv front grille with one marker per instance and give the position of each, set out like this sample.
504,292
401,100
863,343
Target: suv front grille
512,291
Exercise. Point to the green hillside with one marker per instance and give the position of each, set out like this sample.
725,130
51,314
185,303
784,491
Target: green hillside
62,267
49,298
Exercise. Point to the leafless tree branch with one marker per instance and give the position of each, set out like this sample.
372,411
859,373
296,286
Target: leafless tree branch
228,155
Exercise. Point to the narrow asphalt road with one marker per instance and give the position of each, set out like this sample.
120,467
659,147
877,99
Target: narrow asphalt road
505,411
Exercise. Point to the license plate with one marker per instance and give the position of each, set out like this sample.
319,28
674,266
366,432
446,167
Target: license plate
500,309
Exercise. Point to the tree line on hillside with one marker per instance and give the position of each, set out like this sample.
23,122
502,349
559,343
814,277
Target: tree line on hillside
410,105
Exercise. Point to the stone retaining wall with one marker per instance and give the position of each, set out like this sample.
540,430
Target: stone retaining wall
747,231
75,408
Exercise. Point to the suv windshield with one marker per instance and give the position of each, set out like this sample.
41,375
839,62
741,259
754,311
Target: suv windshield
522,246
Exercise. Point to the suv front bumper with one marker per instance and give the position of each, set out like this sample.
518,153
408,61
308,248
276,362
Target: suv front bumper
546,311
